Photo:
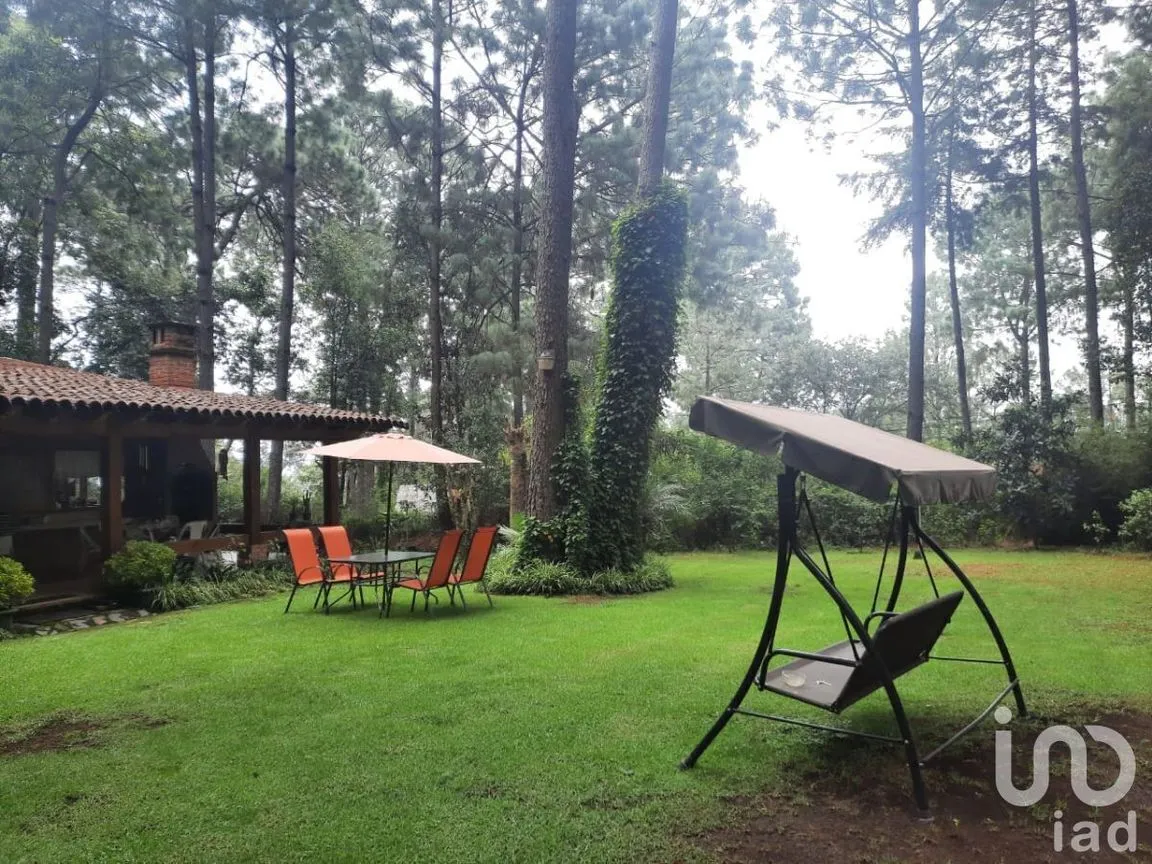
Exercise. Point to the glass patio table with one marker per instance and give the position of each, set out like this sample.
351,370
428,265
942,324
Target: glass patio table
374,567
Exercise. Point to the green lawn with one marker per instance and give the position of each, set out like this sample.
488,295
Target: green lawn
541,730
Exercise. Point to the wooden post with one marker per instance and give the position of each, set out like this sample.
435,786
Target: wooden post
251,489
112,489
331,491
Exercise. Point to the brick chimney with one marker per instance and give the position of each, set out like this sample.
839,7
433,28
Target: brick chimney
172,361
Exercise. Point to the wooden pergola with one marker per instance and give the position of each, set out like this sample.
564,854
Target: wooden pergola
49,406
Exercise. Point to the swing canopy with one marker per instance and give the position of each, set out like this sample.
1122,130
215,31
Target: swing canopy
860,458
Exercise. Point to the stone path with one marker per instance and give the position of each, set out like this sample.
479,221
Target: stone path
71,620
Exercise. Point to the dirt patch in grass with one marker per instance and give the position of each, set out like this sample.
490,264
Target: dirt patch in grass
65,731
859,810
585,599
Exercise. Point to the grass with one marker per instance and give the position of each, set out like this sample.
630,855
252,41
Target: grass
541,730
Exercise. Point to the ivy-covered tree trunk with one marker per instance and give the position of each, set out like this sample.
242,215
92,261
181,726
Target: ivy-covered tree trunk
638,359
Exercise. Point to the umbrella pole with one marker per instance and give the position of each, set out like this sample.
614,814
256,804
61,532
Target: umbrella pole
388,512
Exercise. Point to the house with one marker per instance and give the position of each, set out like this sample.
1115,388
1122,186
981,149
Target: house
86,460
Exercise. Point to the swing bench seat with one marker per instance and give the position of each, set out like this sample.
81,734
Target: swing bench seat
842,674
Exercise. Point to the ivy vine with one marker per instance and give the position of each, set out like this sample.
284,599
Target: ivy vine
637,362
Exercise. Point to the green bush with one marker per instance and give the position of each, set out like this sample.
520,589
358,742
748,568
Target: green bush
653,574
705,494
1136,529
555,579
16,583
140,566
1110,465
222,583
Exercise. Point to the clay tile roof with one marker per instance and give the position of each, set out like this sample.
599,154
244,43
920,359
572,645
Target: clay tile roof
32,384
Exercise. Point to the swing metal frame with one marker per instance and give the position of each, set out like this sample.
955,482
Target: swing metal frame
905,524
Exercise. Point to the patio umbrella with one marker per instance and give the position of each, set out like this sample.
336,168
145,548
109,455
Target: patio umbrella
392,447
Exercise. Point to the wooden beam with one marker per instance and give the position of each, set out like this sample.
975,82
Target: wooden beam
330,469
205,544
111,490
252,488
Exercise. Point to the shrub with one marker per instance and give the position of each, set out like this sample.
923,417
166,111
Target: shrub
964,524
555,579
845,518
1110,465
1137,526
556,539
1097,530
726,495
1034,455
653,574
141,565
16,583
541,578
218,584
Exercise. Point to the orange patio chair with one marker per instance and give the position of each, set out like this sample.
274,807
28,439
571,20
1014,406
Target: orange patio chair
337,545
306,563
476,564
438,574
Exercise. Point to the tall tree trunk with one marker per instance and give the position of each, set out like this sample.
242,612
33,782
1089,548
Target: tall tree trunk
657,97
919,180
413,400
555,253
1022,339
207,369
202,131
518,459
1128,315
288,273
25,275
707,358
202,240
1084,217
1037,223
435,305
51,220
954,299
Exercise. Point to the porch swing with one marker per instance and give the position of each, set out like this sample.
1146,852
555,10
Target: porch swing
885,644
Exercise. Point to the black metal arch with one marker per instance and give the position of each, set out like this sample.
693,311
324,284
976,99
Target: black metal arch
788,546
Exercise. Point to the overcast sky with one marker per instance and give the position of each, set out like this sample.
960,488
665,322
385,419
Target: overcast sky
851,292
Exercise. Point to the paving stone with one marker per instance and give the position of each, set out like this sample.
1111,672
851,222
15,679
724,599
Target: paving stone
44,631
78,624
99,620
116,617
142,613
